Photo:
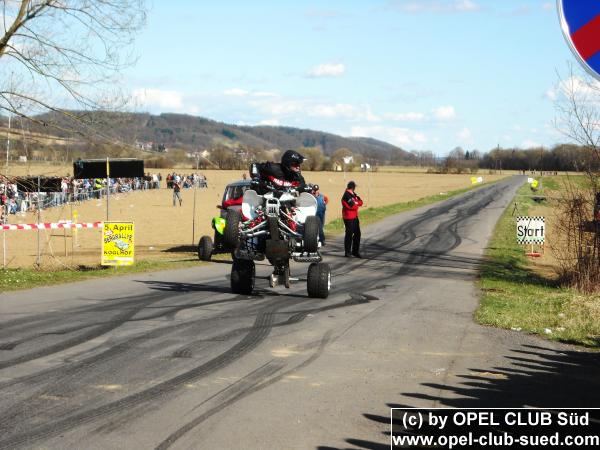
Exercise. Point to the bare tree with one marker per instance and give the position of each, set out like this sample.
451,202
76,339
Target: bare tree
578,225
62,55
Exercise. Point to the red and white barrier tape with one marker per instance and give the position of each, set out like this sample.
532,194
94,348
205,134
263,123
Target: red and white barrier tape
49,226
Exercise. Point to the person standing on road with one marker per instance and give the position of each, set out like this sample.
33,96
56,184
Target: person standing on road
322,201
176,192
350,204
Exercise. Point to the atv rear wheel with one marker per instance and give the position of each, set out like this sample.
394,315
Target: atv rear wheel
205,248
242,276
311,234
318,280
231,233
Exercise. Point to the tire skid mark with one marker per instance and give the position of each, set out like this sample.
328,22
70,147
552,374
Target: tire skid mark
74,372
253,382
132,307
258,333
444,239
97,331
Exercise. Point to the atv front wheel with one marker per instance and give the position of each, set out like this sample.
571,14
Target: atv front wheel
318,280
242,276
205,248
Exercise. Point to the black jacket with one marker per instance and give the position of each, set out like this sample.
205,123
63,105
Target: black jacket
271,175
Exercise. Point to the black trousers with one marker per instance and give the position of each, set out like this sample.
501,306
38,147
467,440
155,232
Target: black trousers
352,238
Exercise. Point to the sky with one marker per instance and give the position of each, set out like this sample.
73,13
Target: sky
423,75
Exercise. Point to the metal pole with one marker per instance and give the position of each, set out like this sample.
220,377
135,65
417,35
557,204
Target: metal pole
7,144
107,186
4,221
194,217
38,222
369,190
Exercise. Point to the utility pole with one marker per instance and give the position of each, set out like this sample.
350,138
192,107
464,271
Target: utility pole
7,143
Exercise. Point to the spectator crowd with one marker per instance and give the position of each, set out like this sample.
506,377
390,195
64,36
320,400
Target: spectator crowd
186,182
13,200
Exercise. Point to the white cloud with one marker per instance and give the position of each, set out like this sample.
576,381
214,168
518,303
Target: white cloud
402,137
465,136
444,112
171,100
263,94
406,117
280,108
580,87
548,6
327,70
436,6
528,143
550,94
269,122
466,5
341,110
236,92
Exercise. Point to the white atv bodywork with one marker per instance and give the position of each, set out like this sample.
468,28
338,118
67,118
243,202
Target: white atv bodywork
306,204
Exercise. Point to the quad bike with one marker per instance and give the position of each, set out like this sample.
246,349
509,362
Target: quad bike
279,226
207,246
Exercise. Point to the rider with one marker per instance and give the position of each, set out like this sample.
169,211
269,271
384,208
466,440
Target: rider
281,176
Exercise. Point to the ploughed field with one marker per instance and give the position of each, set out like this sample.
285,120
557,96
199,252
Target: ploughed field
165,232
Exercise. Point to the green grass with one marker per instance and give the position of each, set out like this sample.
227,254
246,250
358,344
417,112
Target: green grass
515,297
371,215
15,279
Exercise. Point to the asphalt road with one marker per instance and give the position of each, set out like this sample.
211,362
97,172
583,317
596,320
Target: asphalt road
172,359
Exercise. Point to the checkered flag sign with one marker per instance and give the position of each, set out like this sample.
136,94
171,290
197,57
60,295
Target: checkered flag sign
531,230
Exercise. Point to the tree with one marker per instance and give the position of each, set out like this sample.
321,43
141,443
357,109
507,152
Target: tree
578,224
457,153
314,157
341,155
60,55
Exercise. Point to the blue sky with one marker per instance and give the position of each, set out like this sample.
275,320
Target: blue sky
424,75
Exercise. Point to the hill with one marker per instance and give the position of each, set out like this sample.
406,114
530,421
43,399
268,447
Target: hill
192,133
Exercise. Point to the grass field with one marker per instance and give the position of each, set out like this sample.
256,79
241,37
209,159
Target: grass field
523,294
165,232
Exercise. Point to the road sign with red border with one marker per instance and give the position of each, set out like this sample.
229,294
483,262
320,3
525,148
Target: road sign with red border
580,22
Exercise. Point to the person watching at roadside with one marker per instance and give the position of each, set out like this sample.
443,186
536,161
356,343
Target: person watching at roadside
350,204
322,201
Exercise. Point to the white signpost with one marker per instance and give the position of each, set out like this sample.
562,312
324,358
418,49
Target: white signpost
531,230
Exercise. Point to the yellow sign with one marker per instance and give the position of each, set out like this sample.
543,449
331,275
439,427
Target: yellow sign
535,184
117,243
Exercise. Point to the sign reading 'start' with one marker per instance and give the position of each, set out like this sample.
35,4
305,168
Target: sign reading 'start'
117,243
531,230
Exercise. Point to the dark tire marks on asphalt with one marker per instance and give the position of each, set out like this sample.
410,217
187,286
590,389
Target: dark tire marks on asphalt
395,253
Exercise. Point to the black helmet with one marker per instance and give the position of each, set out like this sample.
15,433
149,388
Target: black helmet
351,185
291,159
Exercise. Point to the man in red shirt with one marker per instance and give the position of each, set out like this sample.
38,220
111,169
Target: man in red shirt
350,204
